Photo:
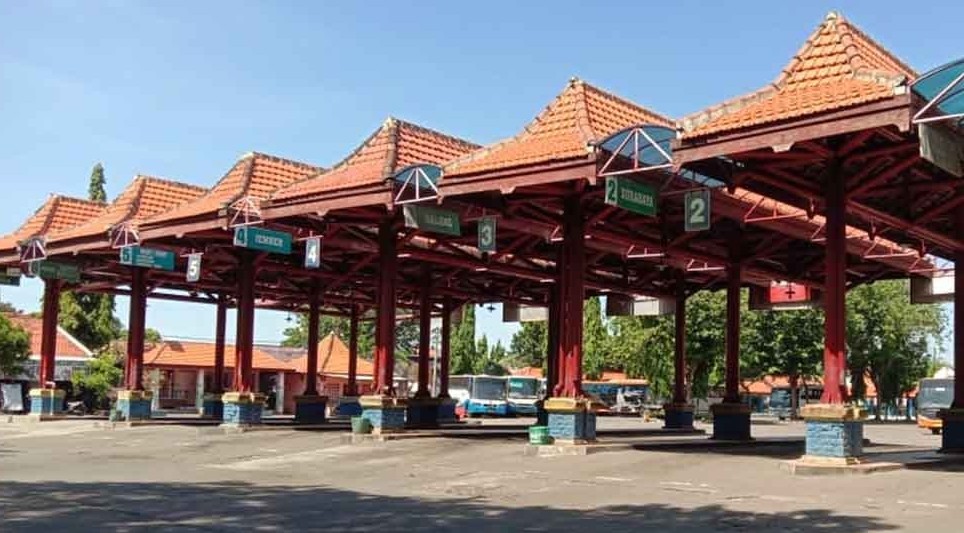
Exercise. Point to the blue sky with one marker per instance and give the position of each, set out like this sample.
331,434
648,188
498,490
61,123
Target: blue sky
180,89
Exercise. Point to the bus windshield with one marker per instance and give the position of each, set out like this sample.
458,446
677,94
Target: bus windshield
523,388
935,393
780,398
488,388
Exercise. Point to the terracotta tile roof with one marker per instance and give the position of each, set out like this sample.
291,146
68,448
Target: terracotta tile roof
526,371
766,384
839,66
392,147
56,214
67,345
579,115
145,197
332,357
255,174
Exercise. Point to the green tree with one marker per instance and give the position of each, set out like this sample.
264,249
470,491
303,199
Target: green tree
481,355
90,317
494,362
705,340
529,344
595,339
889,339
643,347
14,347
406,334
463,342
103,373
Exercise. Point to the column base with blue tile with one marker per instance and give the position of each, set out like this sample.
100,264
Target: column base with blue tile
348,406
731,421
386,414
242,408
134,405
952,430
677,416
446,410
310,409
212,408
571,420
47,403
422,412
835,433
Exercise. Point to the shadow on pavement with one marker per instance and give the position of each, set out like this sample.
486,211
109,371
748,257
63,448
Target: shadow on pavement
55,506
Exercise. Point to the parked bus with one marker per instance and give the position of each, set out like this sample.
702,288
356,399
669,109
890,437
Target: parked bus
479,395
523,393
620,397
780,404
932,396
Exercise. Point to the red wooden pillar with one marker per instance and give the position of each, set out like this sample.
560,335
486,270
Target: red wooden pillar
445,349
385,318
959,317
552,344
352,388
835,311
135,334
244,343
679,359
221,322
733,282
572,293
424,333
48,341
311,371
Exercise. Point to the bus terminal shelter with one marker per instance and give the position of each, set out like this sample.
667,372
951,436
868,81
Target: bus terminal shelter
840,172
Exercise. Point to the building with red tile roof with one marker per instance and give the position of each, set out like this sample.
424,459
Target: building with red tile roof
57,213
254,177
837,67
143,198
70,354
181,364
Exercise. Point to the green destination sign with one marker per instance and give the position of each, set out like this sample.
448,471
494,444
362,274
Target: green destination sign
432,219
54,270
265,240
147,257
9,280
631,196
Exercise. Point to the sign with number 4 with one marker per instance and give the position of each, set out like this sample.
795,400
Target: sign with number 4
697,210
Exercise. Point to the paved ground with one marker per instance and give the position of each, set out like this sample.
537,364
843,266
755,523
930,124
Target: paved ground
68,476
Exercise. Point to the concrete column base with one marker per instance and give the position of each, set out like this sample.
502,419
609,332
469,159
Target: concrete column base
835,433
47,403
952,430
348,406
731,421
212,408
422,412
242,408
677,416
310,409
134,404
571,420
446,410
386,414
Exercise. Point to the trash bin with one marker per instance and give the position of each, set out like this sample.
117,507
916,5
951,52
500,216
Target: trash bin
538,435
360,425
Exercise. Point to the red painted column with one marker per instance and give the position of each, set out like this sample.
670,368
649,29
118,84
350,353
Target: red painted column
733,282
959,317
221,322
244,343
311,371
573,295
424,333
48,341
679,359
446,348
352,388
835,310
385,325
552,344
135,334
